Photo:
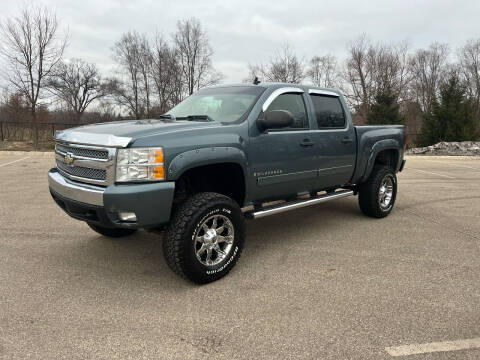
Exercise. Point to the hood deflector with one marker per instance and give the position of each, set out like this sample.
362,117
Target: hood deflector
78,137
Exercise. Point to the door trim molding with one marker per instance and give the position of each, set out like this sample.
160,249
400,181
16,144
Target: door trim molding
301,175
335,167
278,179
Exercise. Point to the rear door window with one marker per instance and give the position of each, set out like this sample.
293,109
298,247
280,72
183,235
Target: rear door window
328,111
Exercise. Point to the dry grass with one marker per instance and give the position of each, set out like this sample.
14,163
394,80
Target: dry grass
25,146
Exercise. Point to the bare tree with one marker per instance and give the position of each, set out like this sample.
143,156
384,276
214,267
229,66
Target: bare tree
195,55
390,70
166,74
76,84
322,71
127,52
374,69
285,67
31,49
427,67
358,75
145,66
403,75
469,58
14,107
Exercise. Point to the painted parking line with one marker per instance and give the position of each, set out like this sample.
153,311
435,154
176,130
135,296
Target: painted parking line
12,162
443,346
432,173
457,165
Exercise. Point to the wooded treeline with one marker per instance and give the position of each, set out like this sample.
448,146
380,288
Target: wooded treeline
434,91
152,73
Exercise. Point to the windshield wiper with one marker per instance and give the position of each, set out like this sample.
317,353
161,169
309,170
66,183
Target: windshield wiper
195,117
167,116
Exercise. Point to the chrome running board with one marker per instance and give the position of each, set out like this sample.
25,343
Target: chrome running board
296,204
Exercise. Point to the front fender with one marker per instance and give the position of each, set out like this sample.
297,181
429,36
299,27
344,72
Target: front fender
205,156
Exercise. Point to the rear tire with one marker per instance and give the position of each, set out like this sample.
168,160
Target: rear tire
111,232
377,195
205,238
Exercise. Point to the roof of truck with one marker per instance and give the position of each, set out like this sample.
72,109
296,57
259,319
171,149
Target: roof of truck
279,85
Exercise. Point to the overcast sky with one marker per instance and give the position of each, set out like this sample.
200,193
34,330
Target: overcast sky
249,31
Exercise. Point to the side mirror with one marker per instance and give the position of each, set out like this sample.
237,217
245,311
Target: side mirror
275,119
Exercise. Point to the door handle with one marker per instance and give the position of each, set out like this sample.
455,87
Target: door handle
306,142
347,139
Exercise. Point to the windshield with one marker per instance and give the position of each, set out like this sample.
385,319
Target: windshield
225,105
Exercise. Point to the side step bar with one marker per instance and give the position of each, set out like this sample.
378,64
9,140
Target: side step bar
296,204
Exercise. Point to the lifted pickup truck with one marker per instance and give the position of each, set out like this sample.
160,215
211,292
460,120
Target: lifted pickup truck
222,155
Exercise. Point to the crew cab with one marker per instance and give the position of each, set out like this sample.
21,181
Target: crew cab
223,155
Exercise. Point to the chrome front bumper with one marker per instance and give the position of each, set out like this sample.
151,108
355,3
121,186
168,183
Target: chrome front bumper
88,194
151,202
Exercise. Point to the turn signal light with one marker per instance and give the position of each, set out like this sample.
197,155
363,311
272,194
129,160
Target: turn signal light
158,172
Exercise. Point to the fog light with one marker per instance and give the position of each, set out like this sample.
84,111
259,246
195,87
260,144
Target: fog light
127,216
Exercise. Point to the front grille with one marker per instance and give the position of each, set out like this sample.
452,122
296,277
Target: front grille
85,163
83,152
83,172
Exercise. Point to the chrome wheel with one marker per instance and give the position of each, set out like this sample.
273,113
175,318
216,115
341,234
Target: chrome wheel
385,193
214,240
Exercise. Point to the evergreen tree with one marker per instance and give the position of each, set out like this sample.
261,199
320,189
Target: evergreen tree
385,110
452,117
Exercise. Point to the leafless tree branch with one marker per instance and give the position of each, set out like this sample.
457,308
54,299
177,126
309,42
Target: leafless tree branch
31,48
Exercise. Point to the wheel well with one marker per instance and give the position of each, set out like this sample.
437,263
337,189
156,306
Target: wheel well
224,178
387,157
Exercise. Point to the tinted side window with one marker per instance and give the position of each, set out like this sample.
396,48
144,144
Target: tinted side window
295,104
328,111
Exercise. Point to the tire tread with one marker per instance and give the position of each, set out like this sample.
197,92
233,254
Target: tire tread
368,193
174,244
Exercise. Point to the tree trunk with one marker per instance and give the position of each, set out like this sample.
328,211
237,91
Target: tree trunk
78,116
35,129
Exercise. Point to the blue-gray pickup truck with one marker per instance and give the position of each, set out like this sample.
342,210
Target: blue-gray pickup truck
223,155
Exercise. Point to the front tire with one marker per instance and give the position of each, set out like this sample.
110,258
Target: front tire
377,195
205,237
111,232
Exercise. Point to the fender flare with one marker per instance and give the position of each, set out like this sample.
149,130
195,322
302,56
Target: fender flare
379,146
205,156
208,156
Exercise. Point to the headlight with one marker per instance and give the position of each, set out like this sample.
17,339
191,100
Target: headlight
140,164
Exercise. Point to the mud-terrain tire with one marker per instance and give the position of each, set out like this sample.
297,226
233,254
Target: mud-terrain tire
205,238
377,195
111,232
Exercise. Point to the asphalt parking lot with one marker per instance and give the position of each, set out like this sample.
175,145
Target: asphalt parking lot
323,282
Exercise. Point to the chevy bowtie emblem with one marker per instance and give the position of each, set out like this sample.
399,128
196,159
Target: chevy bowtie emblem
69,159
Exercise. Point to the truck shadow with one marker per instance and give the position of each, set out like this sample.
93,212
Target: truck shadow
139,258
284,229
133,261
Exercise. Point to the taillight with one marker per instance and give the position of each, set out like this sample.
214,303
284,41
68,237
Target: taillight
404,142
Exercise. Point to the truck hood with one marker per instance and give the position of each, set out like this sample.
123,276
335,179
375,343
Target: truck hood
140,128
